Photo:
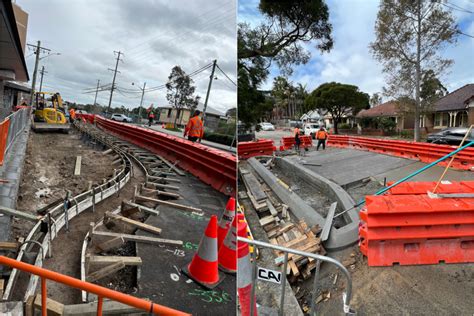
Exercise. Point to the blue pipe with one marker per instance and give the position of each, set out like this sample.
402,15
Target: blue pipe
362,202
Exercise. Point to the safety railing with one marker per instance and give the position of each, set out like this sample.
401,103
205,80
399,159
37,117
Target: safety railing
100,291
319,258
18,122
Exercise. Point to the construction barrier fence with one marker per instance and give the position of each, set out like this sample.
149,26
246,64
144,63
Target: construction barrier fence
424,152
409,226
10,129
260,147
288,142
212,166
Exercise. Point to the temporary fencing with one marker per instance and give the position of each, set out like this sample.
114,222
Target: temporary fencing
247,283
100,291
10,129
289,142
255,148
424,152
212,166
408,226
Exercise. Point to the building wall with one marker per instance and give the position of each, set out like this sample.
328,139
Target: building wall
169,116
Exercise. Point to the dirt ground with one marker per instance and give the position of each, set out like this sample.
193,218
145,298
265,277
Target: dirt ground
50,165
49,172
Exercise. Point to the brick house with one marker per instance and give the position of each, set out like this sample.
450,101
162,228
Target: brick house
453,110
393,110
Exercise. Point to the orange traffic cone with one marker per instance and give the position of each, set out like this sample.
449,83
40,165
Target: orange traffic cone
225,221
228,250
244,280
203,269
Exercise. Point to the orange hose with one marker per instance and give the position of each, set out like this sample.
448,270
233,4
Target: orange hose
89,287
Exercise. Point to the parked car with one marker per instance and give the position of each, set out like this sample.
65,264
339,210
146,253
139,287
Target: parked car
265,126
121,118
450,136
310,129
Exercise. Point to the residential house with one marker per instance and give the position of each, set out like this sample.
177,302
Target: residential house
393,110
168,114
453,110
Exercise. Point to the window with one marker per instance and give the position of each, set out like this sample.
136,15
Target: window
441,119
169,113
461,119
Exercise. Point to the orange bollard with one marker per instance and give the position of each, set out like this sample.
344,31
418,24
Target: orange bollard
244,280
225,221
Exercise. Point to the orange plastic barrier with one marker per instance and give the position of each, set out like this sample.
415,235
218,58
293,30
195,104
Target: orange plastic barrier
100,291
424,152
407,227
3,138
255,148
289,142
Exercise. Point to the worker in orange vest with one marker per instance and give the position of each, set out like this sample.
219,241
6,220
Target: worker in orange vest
296,134
321,136
194,129
72,115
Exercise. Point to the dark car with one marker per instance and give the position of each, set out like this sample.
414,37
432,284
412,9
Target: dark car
450,136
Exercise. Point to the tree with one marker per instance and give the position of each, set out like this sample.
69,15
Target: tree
337,99
409,36
375,99
431,89
286,25
181,91
232,112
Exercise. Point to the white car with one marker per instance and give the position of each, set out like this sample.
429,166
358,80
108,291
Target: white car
121,118
310,129
265,126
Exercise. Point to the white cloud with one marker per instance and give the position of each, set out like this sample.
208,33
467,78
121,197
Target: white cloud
350,60
154,35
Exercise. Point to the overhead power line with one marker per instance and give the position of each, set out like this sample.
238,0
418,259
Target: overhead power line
226,75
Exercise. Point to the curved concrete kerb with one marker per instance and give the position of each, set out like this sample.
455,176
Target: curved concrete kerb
339,237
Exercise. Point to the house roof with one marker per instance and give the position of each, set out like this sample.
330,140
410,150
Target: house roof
389,108
456,99
18,86
11,51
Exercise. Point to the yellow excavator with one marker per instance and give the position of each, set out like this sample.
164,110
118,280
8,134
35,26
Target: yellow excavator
49,113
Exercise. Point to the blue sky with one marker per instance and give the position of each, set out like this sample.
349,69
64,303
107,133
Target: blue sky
350,60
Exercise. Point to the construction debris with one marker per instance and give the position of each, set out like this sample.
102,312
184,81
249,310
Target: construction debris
77,168
105,271
114,219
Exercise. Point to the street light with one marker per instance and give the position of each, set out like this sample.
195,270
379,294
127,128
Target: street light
141,101
49,55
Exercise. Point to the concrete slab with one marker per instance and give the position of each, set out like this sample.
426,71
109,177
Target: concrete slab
347,166
11,308
162,265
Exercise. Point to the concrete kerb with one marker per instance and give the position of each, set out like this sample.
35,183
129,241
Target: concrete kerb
339,237
85,202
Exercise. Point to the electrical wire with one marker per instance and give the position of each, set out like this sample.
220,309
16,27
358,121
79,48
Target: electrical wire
226,75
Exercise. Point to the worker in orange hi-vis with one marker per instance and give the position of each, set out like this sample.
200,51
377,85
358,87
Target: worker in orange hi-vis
296,134
72,115
194,129
321,136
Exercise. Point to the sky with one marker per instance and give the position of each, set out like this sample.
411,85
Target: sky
153,36
350,61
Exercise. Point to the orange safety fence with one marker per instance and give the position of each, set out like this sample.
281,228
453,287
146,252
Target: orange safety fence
100,291
4,126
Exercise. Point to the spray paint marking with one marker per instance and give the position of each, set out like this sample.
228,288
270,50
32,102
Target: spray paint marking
211,296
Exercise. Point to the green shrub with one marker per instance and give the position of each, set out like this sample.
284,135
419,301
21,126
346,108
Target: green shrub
174,129
386,124
219,138
344,126
406,134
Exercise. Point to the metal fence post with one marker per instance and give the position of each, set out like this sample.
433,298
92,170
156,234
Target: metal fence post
283,285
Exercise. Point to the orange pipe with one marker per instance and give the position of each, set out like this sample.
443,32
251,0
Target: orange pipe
44,296
91,288
99,306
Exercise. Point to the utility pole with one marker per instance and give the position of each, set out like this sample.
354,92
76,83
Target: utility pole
141,102
42,72
96,91
35,72
113,81
208,90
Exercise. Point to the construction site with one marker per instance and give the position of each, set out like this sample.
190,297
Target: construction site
395,215
105,207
